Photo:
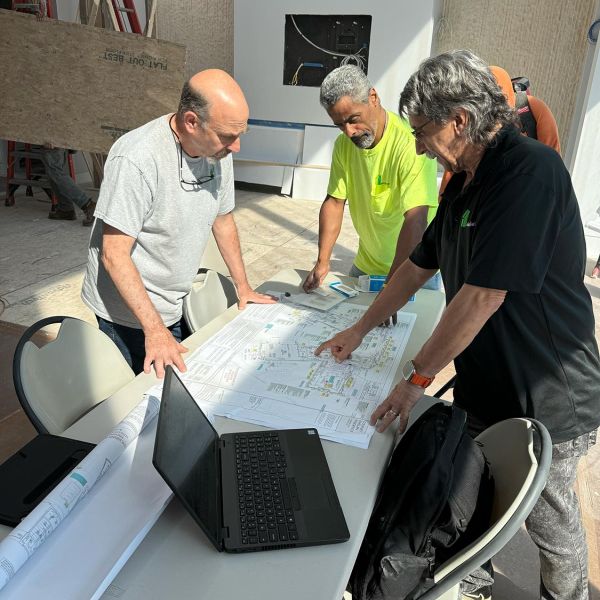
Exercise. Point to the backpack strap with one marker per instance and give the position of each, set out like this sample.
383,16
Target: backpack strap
526,118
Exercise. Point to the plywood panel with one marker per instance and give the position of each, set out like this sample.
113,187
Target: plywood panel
82,87
205,27
544,40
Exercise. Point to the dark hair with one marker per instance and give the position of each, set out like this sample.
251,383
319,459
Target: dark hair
194,101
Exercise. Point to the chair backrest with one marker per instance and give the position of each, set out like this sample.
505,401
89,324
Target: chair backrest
519,478
61,381
212,259
212,293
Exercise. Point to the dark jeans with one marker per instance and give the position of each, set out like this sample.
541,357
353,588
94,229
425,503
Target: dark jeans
131,341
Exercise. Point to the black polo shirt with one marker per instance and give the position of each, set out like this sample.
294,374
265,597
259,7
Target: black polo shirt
516,227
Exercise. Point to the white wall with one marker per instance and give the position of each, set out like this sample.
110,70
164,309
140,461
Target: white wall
585,171
400,38
401,34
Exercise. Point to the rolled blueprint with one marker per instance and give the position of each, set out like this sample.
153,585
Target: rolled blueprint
33,531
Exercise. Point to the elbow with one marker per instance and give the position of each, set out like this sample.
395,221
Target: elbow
109,259
485,301
493,300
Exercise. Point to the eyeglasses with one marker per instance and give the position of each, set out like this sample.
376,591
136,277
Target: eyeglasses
417,131
200,180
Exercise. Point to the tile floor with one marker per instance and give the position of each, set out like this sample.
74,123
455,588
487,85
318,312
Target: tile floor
41,268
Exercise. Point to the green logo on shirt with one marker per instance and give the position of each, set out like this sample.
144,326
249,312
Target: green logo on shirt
464,221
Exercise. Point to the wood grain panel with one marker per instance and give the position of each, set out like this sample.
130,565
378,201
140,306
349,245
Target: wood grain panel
82,87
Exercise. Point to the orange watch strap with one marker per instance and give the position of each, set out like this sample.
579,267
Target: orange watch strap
421,380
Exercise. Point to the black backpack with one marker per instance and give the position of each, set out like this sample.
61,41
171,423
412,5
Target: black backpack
435,499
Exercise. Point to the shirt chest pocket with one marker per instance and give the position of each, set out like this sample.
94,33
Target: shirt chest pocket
381,195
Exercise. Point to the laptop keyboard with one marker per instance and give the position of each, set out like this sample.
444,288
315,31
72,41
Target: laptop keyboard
266,501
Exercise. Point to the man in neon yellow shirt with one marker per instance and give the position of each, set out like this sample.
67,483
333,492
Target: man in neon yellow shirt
391,192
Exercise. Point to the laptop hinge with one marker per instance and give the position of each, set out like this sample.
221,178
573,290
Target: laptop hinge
224,533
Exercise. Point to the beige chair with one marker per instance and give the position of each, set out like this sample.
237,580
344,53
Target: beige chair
519,477
212,259
61,381
212,293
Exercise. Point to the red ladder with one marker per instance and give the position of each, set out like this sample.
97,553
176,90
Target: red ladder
26,151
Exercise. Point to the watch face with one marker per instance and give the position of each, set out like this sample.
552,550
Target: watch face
408,370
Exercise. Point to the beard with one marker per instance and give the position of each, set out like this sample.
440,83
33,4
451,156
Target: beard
364,140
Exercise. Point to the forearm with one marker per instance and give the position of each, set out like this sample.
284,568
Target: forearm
405,281
411,233
228,242
130,286
331,216
462,320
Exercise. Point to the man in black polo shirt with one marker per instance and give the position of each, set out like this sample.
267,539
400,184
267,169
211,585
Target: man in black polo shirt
509,243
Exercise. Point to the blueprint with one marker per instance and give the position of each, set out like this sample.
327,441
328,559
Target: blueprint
261,368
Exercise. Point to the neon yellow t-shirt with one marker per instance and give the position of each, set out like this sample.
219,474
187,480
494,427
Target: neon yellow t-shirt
380,185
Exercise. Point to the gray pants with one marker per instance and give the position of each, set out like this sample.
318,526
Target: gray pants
555,525
57,171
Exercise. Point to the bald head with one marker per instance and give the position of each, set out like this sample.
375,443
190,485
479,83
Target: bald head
214,95
212,115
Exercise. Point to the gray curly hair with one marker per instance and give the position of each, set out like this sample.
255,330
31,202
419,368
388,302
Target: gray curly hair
347,80
453,80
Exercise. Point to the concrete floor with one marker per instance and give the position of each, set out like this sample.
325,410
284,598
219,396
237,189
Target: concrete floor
42,264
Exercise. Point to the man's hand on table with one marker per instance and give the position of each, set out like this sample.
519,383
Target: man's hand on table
342,344
246,295
398,404
315,278
162,349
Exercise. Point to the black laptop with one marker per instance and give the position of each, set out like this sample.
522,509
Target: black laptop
259,490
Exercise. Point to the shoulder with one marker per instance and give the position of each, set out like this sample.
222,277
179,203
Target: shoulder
526,156
341,144
143,143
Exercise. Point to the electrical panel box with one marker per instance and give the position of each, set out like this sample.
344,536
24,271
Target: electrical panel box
317,44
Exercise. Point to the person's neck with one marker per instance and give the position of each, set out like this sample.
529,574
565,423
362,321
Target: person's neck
180,135
469,161
471,157
382,119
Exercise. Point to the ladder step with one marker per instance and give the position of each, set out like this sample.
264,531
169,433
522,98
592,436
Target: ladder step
32,182
27,154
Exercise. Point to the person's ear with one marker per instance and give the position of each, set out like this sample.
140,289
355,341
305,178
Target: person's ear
190,121
374,98
460,121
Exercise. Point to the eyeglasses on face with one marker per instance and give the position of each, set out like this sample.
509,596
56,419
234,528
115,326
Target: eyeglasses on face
418,131
198,181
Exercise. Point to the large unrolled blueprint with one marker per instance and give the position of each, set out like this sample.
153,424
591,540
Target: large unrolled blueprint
261,368
34,530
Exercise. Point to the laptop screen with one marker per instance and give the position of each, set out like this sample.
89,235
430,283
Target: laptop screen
186,455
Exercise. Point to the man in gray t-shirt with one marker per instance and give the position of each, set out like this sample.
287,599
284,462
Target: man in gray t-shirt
166,185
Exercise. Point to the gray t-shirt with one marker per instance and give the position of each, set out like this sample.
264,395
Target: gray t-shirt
142,195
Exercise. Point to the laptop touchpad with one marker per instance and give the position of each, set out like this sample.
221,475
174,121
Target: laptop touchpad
312,493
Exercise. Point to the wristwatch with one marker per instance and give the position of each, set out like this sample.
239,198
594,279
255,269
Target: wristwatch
409,373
